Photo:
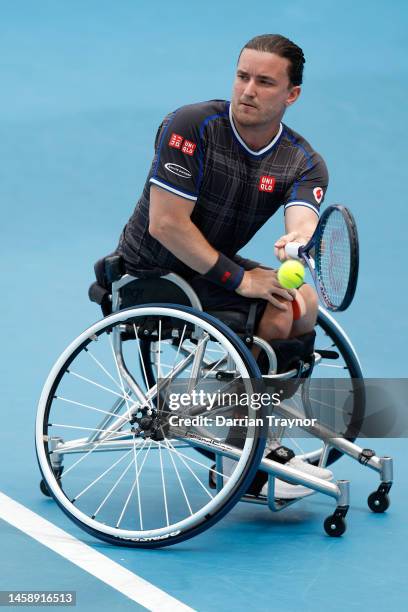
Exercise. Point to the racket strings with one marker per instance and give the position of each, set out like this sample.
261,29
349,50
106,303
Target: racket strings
335,258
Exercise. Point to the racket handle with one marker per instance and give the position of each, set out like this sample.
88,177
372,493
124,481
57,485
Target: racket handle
292,249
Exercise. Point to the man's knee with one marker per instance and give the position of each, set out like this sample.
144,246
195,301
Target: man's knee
276,324
311,300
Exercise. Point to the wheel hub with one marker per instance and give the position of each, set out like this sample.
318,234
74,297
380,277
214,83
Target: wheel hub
147,422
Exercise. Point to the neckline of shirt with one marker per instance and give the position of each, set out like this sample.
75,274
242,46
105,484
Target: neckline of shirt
242,143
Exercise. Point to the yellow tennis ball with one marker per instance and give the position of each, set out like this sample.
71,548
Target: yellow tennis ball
291,274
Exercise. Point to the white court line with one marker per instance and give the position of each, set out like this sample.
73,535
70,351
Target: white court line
88,559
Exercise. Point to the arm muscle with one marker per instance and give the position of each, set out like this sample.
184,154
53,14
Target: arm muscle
170,223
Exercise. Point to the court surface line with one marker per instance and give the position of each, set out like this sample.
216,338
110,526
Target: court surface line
113,574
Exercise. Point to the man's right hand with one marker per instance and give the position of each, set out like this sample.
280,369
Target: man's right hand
261,283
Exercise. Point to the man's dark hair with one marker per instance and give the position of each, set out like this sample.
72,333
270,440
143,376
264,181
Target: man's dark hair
275,43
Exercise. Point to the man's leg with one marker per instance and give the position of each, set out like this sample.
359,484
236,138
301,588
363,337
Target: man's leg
278,324
275,324
306,323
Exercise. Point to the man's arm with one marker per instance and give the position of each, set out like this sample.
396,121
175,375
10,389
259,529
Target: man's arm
300,223
171,225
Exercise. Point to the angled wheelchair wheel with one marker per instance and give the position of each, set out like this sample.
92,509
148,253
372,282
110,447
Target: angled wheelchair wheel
117,451
334,395
339,361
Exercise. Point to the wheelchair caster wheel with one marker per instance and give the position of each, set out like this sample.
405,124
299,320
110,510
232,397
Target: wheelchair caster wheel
43,485
378,502
44,489
335,526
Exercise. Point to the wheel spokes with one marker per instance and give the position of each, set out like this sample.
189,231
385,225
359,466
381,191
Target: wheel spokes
139,490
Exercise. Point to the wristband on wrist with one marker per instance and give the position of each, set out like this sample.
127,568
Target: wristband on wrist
225,273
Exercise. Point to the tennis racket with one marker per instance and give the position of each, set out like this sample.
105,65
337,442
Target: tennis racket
332,257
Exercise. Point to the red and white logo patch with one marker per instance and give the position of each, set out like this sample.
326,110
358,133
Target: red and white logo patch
267,183
189,147
318,194
176,141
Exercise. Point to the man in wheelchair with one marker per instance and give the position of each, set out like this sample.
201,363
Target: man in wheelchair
220,171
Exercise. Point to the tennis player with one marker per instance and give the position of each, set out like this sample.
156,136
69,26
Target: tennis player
221,169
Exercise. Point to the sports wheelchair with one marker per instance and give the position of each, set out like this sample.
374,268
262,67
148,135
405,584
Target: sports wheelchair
142,436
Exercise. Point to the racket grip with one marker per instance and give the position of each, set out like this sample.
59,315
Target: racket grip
292,249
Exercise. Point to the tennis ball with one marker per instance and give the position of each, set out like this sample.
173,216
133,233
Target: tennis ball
291,274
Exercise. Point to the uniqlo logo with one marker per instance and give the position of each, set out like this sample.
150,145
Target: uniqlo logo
189,147
176,141
267,183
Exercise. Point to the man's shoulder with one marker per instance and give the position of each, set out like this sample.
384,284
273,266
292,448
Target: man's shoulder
200,111
299,142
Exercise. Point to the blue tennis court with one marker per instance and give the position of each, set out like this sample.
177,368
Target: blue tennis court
84,88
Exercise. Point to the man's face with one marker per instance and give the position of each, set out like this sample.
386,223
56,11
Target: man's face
262,89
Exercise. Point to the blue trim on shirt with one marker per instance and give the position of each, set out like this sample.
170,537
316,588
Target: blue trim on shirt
308,159
201,148
303,203
189,193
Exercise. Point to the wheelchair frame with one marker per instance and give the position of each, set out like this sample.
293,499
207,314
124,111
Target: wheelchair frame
52,449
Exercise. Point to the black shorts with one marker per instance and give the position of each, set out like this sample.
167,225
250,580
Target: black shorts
216,298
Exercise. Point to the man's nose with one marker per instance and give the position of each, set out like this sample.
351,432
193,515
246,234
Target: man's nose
250,89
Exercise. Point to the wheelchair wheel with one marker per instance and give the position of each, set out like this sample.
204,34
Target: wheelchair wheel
334,394
117,451
347,367
338,361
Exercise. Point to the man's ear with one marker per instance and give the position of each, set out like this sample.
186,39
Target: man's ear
294,93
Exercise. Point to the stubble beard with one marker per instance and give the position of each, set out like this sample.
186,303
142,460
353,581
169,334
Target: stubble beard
247,121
